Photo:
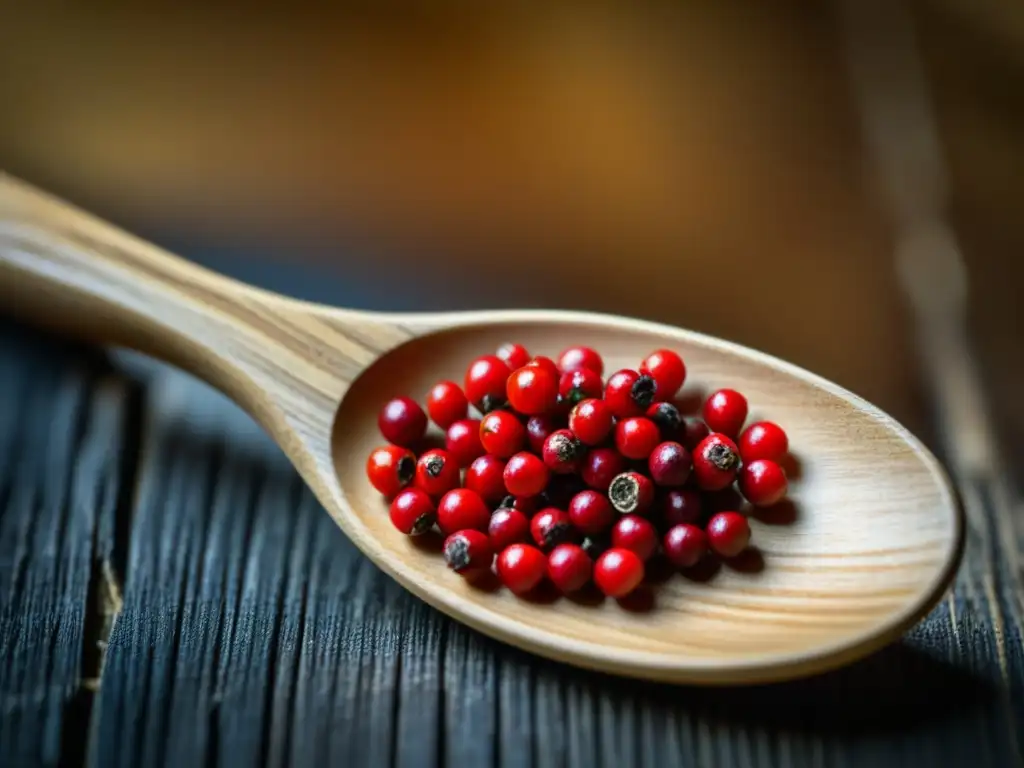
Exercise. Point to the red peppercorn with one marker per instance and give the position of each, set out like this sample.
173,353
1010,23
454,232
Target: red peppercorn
486,476
636,437
551,527
507,527
485,382
681,507
591,512
725,411
601,466
667,369
402,421
390,468
667,418
463,441
694,430
412,512
563,452
468,552
618,572
525,475
537,430
728,533
569,568
591,421
547,364
446,403
580,384
514,355
636,534
715,462
685,545
521,567
628,393
437,472
532,390
763,440
631,493
762,482
502,434
670,464
460,509
574,358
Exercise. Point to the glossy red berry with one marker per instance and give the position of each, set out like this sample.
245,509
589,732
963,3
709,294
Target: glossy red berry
580,384
532,390
514,355
667,418
636,437
636,534
569,568
601,466
669,464
460,509
507,527
446,404
486,476
591,421
463,441
715,462
575,358
725,411
525,475
521,567
728,533
694,430
551,527
762,482
563,452
763,440
628,393
667,369
591,512
685,545
502,434
680,507
547,364
631,493
412,512
437,472
390,468
468,552
402,421
618,572
537,430
485,382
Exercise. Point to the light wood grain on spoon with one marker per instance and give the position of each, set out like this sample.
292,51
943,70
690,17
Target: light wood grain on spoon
868,544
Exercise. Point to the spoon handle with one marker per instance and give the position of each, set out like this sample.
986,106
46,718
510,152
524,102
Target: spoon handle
71,272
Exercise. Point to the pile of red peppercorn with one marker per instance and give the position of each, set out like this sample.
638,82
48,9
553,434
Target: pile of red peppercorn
571,477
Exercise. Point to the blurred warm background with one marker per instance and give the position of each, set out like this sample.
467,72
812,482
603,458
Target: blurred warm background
700,165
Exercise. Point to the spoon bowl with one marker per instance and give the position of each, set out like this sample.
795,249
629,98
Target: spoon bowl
866,544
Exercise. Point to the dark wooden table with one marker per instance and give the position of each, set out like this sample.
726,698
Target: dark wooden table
171,594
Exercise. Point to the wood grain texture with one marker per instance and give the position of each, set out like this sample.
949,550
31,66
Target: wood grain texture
866,546
287,647
65,426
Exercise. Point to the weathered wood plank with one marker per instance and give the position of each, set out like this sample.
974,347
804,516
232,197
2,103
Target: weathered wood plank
65,426
253,633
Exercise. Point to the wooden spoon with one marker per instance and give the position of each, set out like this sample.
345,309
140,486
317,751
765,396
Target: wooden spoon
866,547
